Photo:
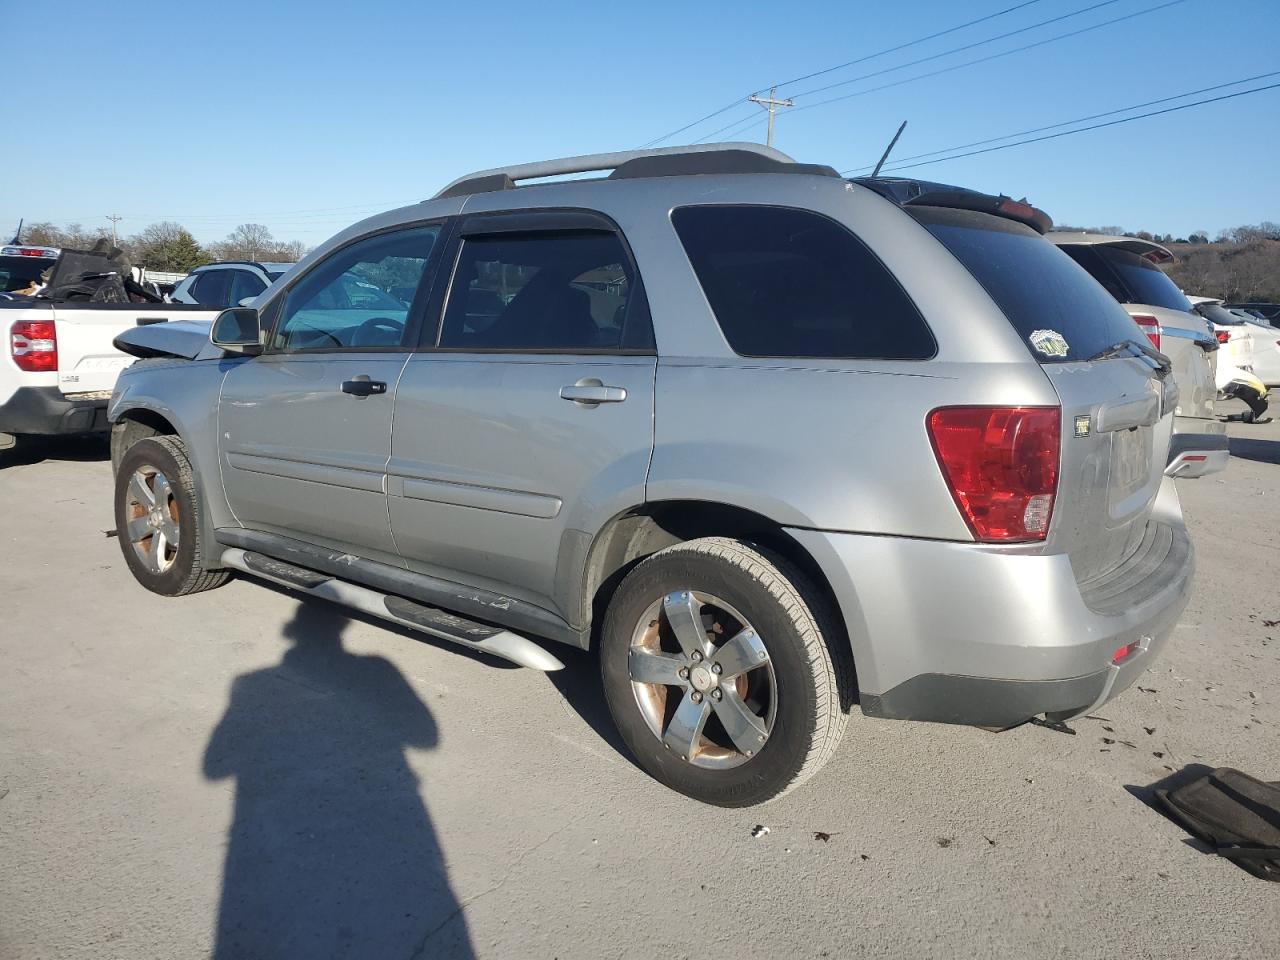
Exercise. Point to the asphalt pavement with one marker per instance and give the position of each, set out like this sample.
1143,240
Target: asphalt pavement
240,774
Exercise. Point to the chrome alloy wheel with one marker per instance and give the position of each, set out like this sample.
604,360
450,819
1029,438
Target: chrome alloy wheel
153,521
703,679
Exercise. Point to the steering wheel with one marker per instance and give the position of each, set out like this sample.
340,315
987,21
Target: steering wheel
373,324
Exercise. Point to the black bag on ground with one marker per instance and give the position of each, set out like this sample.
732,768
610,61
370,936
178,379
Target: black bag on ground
1235,814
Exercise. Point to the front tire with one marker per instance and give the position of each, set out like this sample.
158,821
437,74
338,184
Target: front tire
719,669
157,509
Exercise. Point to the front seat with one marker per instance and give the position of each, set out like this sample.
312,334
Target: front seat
548,313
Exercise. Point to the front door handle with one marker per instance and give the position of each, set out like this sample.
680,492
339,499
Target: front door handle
592,392
362,386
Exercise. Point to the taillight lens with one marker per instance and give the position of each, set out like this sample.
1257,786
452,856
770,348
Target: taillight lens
1001,466
1224,336
1150,326
34,345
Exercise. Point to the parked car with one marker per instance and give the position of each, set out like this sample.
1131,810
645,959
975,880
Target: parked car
1270,312
228,284
773,442
1249,344
58,364
1127,268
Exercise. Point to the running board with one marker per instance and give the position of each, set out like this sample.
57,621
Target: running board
429,620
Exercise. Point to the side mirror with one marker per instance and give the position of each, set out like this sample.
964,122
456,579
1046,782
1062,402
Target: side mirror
238,330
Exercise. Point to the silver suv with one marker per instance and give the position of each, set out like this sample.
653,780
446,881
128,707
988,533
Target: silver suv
774,442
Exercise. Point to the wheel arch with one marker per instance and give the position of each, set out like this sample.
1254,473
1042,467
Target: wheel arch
643,530
129,424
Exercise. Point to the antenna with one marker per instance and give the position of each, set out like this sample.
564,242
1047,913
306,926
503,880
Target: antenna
885,156
17,234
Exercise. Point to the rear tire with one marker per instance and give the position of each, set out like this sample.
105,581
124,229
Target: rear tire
157,508
757,710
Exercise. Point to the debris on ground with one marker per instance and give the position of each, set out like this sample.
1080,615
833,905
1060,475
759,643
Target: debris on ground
945,842
758,831
988,839
864,856
1150,730
824,837
1271,623
110,533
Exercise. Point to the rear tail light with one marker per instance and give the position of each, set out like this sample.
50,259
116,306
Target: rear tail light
1224,336
1150,326
1001,466
34,345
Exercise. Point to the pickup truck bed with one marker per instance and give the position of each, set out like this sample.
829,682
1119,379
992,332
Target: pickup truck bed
69,393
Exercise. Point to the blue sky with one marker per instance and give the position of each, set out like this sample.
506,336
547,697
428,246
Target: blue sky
307,116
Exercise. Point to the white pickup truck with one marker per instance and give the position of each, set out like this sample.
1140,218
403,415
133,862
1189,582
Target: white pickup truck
58,366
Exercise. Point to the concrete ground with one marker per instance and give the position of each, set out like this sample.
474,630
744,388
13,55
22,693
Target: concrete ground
239,774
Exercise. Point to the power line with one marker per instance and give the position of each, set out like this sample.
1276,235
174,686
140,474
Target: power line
740,124
1067,123
909,43
871,56
1096,126
961,49
990,57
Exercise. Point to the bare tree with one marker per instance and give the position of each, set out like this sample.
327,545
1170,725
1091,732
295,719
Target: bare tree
249,241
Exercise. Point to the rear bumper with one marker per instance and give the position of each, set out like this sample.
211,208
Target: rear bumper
1197,454
45,411
990,637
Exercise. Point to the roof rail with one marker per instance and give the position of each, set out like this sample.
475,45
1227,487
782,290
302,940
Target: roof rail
706,158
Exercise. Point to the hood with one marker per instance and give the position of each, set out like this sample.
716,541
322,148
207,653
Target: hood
186,339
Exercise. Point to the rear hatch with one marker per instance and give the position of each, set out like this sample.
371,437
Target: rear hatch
1114,394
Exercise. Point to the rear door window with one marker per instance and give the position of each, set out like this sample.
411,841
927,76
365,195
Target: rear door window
1060,311
212,288
555,291
784,282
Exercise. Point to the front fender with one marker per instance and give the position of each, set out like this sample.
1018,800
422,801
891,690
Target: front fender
185,395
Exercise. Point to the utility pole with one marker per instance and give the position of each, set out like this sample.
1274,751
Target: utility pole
114,220
771,103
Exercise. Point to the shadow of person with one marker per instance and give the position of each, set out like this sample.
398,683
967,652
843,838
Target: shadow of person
331,852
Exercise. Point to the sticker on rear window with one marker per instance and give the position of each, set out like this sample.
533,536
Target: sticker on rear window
1049,342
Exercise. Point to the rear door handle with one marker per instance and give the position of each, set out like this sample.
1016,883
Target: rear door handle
591,394
362,386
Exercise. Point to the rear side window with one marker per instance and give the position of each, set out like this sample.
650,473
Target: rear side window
1128,277
1058,309
792,283
212,288
557,291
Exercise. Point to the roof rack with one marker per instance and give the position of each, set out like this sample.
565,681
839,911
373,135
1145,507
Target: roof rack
707,158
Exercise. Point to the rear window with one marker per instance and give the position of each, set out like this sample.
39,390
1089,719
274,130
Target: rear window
791,283
1128,277
18,273
1060,311
1216,313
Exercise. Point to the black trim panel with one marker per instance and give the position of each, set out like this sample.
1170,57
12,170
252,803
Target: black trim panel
983,701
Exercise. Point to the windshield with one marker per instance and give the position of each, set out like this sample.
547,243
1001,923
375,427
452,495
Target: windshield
17,273
1060,311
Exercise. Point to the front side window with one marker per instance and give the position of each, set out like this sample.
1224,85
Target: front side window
792,283
244,286
569,291
359,297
